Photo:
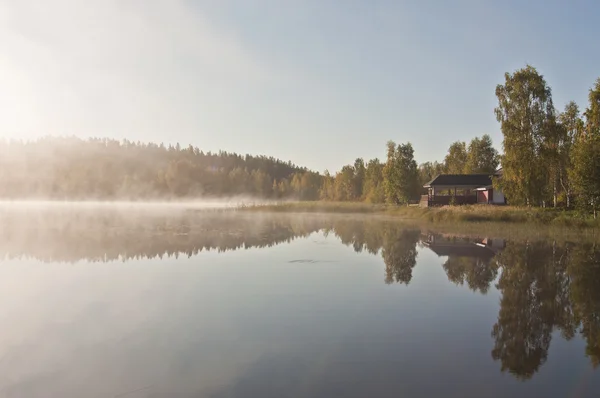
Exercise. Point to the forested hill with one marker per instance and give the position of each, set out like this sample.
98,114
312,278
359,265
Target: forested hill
72,168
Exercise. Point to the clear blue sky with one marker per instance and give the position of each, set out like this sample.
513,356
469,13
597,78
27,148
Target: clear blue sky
318,82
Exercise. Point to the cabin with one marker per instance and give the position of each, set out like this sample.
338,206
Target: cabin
462,189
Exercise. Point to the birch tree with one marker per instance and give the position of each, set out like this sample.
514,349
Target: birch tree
572,125
585,172
401,177
526,114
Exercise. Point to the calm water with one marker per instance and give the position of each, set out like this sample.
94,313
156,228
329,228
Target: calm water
128,303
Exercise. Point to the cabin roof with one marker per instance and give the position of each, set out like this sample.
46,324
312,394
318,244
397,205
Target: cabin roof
458,180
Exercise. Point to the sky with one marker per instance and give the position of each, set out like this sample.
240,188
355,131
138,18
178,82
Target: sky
317,82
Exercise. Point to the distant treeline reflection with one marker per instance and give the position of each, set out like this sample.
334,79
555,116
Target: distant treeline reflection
544,286
102,235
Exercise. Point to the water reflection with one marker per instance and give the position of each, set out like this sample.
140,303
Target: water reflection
583,273
544,286
108,234
397,244
535,301
468,261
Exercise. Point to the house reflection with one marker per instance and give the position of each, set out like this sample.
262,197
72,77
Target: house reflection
468,260
449,245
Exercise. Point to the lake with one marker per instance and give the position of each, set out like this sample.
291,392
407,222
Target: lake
132,302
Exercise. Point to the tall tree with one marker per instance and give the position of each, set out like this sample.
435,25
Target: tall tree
327,191
592,113
526,114
344,184
550,157
585,171
400,174
359,178
572,125
306,185
456,158
482,157
373,189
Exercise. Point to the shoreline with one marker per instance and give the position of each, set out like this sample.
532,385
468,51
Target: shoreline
473,214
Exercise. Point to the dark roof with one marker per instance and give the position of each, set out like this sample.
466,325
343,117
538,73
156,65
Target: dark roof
457,180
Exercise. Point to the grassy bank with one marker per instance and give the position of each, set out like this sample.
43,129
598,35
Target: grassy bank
446,214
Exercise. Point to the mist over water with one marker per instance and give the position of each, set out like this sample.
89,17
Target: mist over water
154,300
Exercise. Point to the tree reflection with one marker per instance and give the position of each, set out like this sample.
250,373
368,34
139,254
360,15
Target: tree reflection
399,254
544,286
478,273
396,242
468,260
584,271
109,234
535,301
101,234
522,332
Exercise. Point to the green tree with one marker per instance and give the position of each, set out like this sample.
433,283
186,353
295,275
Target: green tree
400,173
306,185
526,114
373,188
456,158
572,125
585,159
344,184
592,113
328,187
482,157
551,157
359,179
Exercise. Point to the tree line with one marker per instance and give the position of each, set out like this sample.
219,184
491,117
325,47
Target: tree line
399,179
549,158
73,168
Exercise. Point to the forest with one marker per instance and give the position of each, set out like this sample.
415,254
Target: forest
72,168
550,157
